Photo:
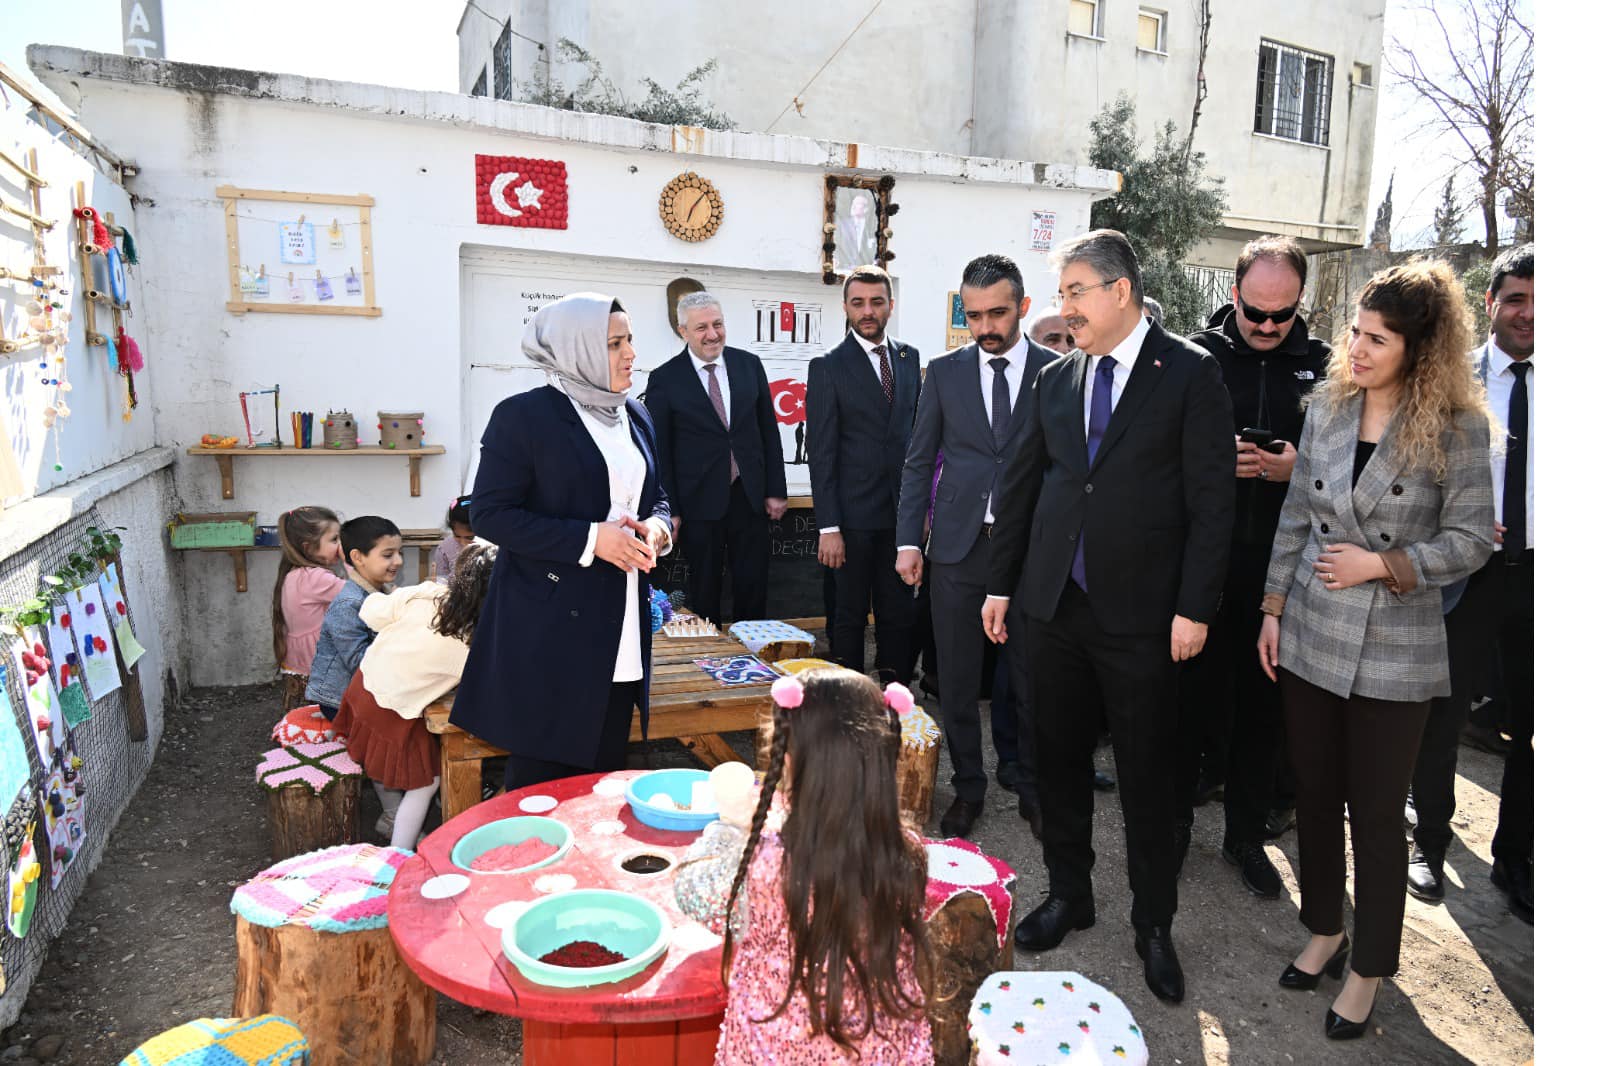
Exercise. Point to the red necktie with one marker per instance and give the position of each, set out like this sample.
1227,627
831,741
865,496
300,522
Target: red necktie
885,375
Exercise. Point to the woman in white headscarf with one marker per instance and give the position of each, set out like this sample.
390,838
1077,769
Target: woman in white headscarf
567,486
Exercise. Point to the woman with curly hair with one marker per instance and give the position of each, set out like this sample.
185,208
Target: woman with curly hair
1391,499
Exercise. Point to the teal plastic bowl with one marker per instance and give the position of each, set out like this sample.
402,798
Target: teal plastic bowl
677,784
511,831
626,924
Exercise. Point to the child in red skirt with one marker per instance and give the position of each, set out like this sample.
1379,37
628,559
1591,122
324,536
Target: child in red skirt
417,656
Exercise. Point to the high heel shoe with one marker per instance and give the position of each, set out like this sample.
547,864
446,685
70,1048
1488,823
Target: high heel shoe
1296,978
1338,1027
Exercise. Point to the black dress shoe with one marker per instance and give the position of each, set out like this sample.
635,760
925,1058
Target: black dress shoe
1005,775
1296,978
1515,879
930,685
957,821
1255,869
1180,844
1339,1027
1425,876
1161,970
1033,816
1104,782
1051,921
1279,822
1207,790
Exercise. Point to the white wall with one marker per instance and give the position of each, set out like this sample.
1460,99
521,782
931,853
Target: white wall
370,140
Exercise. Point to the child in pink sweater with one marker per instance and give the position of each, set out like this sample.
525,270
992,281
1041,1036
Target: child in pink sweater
307,584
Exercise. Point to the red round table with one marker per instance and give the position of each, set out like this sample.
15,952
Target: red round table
670,1014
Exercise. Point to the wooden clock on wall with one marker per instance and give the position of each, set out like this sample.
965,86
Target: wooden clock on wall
691,207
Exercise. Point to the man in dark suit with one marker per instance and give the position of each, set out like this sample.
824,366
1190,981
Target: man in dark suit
861,400
1113,530
721,460
967,412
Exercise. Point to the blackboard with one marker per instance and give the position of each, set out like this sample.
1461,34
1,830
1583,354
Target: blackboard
794,578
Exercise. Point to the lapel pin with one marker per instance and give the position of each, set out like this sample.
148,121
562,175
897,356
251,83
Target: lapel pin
1158,362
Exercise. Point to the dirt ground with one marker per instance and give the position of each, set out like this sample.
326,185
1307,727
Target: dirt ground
150,942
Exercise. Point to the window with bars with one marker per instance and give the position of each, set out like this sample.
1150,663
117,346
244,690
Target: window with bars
1293,93
481,86
502,64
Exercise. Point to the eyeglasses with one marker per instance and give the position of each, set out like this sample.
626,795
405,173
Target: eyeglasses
1078,292
1280,316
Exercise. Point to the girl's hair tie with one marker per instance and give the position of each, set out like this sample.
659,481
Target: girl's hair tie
788,692
899,699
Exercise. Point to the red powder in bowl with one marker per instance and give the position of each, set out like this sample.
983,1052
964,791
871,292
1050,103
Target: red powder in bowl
583,953
514,856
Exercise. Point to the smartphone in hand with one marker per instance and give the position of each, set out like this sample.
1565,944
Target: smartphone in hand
1264,439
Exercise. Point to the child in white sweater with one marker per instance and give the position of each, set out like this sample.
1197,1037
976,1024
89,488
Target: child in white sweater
421,647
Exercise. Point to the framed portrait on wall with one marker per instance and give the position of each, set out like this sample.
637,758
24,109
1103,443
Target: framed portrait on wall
855,224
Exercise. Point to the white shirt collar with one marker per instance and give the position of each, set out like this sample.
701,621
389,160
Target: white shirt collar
1016,355
867,345
1127,351
1499,361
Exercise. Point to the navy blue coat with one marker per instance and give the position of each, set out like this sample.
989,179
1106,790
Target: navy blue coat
539,673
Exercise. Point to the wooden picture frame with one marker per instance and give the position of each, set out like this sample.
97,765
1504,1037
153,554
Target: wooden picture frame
855,224
232,197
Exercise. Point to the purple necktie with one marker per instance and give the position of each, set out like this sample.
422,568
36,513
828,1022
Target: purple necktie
715,388
1099,417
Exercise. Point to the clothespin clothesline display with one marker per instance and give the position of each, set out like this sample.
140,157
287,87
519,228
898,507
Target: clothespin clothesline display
320,248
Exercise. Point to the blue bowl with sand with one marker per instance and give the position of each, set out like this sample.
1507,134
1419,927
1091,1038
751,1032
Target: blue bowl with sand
621,924
510,833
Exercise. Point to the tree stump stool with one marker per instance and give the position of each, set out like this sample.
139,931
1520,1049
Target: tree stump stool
1050,1016
968,909
313,797
294,690
917,771
314,947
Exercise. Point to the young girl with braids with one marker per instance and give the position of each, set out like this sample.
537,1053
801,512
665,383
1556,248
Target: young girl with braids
825,952
306,586
423,635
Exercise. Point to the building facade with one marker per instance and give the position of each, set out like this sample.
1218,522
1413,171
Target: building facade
1288,119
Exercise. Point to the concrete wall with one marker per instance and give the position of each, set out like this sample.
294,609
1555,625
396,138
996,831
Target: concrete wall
192,129
1002,78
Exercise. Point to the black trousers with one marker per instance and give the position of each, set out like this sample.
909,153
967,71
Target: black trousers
524,770
1513,840
1356,752
867,582
958,591
743,536
1225,693
1138,682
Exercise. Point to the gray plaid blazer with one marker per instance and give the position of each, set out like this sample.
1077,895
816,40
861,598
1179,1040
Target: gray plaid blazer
1381,640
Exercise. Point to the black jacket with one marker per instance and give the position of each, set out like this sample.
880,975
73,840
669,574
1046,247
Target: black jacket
1268,390
855,439
1153,508
692,444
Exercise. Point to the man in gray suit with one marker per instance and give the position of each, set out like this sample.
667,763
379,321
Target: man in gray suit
966,412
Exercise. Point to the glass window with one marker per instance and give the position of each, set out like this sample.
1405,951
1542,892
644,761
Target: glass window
502,64
1152,30
1293,93
1083,18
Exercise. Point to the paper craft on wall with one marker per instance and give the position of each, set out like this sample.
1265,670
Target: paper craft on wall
282,228
297,242
121,624
41,709
14,769
22,875
92,634
64,802
64,659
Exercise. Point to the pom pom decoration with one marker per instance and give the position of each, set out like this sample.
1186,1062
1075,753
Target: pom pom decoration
660,610
788,692
129,349
899,699
99,234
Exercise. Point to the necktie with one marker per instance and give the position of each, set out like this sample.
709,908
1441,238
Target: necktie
1099,417
715,388
1000,401
1514,510
885,375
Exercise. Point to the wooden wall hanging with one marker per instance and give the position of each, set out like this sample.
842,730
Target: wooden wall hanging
338,283
691,207
859,234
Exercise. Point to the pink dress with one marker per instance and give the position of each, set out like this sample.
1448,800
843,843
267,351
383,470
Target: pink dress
307,591
760,975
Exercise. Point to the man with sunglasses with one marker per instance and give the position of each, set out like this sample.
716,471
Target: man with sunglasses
1232,713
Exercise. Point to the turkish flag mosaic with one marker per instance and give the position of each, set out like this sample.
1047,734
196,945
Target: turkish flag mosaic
512,191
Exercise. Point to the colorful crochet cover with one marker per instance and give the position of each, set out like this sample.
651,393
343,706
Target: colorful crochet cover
336,890
267,1040
757,635
315,766
918,732
738,670
304,725
799,666
1049,1017
956,866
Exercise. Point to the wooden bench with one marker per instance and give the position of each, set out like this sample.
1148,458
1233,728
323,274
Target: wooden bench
686,704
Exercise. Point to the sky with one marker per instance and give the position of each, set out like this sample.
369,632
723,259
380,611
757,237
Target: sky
412,44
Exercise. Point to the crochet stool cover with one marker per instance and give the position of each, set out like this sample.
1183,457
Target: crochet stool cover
313,796
265,1041
1049,1017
